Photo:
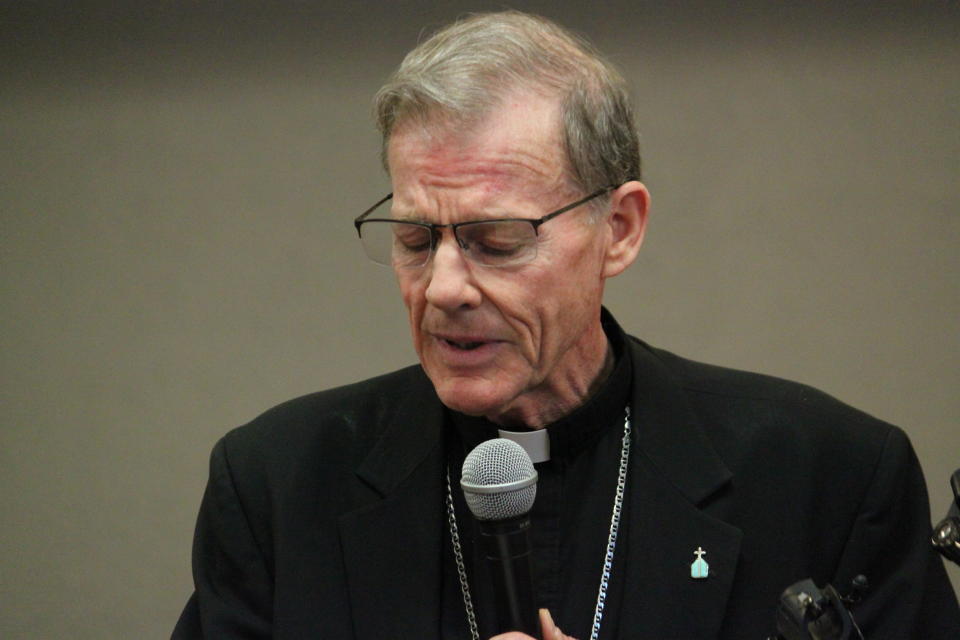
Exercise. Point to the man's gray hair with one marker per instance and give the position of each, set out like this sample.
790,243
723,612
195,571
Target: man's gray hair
464,70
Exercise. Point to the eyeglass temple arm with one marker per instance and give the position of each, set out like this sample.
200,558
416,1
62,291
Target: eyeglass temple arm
359,218
551,216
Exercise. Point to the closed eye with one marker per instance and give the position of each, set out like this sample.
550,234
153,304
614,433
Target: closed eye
411,238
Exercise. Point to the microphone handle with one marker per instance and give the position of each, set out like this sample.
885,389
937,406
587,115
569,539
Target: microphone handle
506,546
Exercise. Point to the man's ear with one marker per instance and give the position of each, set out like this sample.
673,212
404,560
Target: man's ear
629,205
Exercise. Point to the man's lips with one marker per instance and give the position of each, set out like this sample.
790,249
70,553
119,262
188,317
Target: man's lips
466,346
464,342
464,352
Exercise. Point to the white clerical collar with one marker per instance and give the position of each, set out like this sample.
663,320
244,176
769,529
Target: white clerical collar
535,443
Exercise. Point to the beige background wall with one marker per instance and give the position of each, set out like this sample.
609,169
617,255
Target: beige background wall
176,192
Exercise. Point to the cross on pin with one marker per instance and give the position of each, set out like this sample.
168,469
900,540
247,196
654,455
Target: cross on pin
699,569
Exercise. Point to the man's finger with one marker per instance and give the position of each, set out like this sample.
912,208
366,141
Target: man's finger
549,630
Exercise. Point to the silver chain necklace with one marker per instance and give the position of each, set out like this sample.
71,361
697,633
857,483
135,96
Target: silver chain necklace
607,560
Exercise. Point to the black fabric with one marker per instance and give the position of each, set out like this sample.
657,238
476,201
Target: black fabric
323,518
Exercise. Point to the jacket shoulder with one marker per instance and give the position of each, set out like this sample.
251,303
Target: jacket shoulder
744,387
346,419
748,414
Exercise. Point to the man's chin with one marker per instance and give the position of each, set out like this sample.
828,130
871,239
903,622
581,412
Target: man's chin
471,397
468,406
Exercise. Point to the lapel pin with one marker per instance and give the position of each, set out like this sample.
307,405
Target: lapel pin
699,569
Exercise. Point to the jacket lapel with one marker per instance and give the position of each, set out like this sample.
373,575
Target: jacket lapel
390,547
674,471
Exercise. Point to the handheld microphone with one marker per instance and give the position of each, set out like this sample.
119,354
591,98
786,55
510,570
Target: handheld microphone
500,485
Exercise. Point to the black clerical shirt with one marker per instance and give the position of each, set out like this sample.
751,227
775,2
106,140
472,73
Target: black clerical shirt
570,520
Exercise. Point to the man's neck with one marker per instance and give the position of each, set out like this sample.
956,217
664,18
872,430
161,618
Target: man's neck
546,406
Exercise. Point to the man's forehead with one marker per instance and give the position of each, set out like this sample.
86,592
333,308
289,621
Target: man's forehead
517,144
452,167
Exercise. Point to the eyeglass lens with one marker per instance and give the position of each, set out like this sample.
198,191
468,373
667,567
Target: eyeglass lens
495,243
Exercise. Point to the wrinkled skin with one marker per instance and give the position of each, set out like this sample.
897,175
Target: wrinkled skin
520,345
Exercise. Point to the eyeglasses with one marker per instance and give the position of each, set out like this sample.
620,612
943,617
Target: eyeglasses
502,242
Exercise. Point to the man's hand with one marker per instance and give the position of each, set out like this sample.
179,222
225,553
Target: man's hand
549,629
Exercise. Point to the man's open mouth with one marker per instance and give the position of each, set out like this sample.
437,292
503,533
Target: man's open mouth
466,346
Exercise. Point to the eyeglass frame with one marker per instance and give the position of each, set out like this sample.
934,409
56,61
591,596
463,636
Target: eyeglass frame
434,227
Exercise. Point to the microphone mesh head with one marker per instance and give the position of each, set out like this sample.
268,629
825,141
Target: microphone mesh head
499,462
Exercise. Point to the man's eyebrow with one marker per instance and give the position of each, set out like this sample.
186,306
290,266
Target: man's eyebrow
495,211
403,214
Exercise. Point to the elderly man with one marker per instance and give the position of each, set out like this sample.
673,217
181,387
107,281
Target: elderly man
516,194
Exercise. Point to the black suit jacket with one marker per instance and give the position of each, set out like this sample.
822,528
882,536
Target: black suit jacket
323,518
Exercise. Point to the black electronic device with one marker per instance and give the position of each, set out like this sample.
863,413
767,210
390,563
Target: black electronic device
946,535
806,612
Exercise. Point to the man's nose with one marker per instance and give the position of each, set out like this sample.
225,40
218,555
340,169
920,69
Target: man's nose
451,284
